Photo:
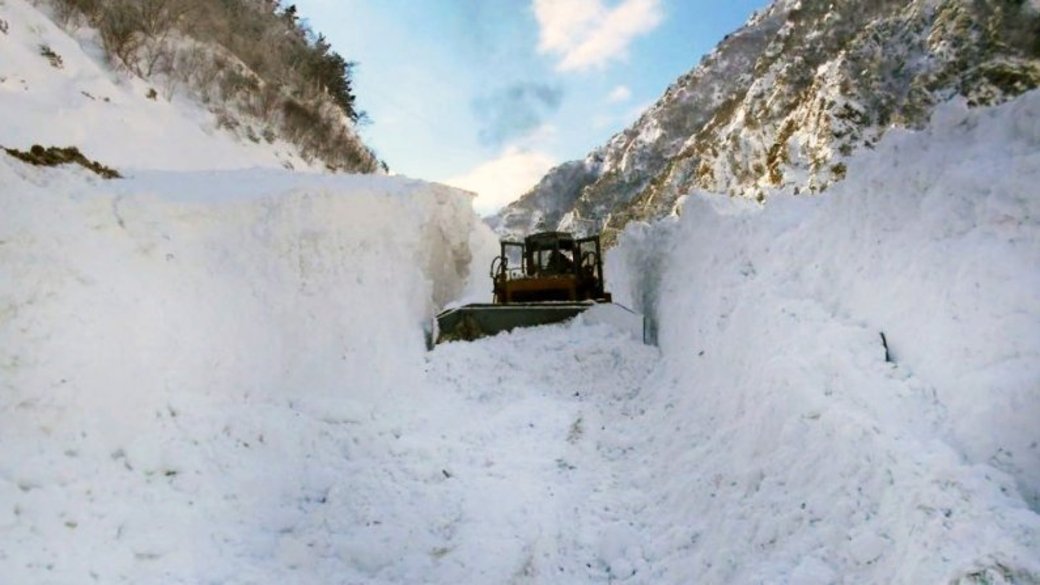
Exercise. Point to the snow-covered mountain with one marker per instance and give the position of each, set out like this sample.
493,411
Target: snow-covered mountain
782,102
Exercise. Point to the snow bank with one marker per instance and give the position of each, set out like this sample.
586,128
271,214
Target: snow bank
787,448
187,362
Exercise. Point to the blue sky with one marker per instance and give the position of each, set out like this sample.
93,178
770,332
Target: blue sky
490,94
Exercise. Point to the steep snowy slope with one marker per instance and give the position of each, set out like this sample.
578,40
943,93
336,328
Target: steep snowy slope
73,98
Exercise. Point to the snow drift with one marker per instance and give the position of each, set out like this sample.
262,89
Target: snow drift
183,356
786,446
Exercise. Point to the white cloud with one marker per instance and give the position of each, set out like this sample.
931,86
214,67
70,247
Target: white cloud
544,134
587,34
561,22
502,180
619,94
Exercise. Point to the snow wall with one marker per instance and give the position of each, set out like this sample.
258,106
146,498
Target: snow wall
787,446
175,350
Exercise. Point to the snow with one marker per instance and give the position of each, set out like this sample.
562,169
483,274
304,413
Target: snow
220,377
783,444
186,377
525,423
214,371
107,114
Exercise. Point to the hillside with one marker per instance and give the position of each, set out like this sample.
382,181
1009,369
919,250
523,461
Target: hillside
783,102
158,91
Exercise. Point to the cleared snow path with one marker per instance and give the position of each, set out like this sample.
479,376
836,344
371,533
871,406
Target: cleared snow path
523,447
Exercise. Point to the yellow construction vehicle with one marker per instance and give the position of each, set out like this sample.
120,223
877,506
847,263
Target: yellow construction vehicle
548,277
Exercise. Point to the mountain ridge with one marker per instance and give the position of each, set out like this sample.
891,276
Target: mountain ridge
781,103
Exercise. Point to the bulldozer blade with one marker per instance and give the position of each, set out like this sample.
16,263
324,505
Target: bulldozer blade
474,321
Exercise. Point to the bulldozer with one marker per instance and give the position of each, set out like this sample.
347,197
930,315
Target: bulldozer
548,277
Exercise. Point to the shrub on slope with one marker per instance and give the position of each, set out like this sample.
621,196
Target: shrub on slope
249,60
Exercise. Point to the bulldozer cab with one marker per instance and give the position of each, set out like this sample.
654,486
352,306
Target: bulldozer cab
549,266
549,254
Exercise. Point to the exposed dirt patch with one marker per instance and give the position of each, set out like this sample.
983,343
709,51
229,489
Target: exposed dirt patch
54,156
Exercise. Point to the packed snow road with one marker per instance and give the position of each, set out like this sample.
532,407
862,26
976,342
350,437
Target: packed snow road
517,452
